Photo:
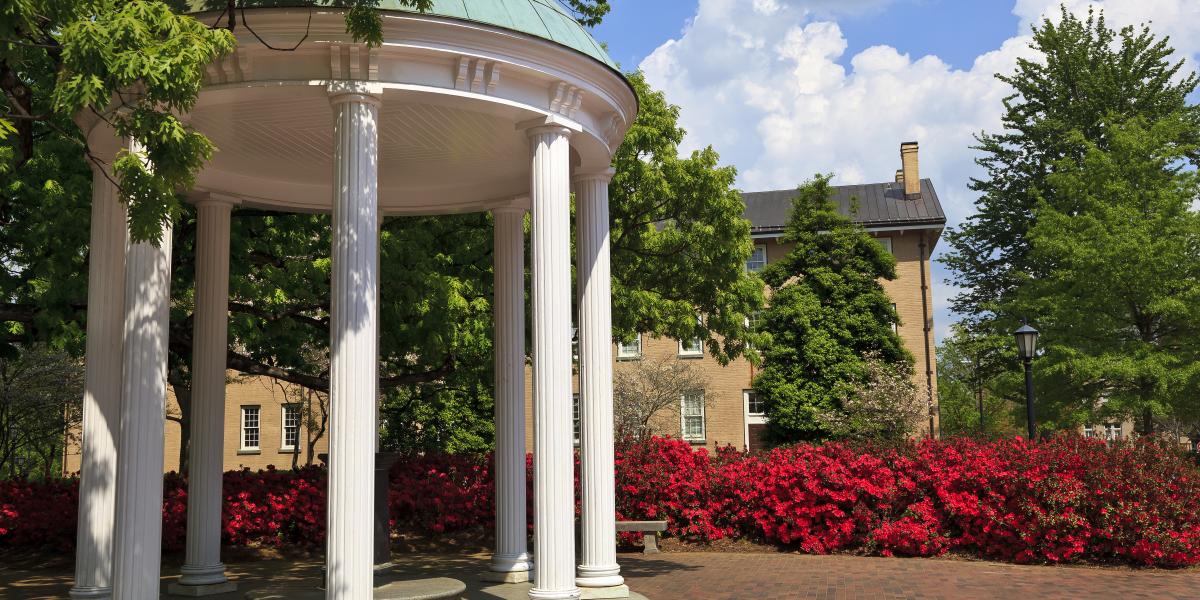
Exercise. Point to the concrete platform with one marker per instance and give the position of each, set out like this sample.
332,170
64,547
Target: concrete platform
437,588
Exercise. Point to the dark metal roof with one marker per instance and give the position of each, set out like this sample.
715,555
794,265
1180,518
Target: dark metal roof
878,205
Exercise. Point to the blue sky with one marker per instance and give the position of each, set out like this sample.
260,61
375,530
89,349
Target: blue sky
784,89
964,28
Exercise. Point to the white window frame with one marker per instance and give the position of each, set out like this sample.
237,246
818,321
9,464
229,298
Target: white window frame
896,323
691,352
576,419
749,417
243,429
683,417
1109,428
283,428
886,242
630,351
1089,431
750,261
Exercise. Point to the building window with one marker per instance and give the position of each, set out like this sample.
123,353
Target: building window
1089,431
632,349
575,419
754,405
886,242
896,323
1112,431
250,427
691,348
757,260
692,416
291,426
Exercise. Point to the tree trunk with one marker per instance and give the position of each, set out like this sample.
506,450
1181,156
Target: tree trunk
1147,422
183,397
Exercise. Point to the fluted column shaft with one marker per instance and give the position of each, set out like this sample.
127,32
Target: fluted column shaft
512,551
354,313
553,455
202,565
138,537
102,391
598,561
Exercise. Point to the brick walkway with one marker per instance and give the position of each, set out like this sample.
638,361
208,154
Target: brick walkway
729,576
713,576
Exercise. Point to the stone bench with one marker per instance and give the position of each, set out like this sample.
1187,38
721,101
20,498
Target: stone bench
649,529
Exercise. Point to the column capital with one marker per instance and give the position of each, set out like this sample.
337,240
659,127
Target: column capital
549,123
513,206
604,175
215,199
365,92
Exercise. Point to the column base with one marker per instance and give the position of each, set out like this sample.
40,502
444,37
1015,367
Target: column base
203,589
599,582
538,594
90,593
615,591
506,576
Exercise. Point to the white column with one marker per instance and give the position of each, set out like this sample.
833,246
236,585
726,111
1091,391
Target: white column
511,560
598,561
553,454
102,391
353,371
202,572
138,537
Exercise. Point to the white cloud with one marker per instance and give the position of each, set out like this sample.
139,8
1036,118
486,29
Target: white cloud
760,81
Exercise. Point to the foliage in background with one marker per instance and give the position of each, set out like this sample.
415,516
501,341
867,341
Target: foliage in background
885,406
679,240
979,369
1060,231
41,393
827,312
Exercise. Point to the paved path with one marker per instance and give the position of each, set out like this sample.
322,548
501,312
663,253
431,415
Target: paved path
730,576
711,576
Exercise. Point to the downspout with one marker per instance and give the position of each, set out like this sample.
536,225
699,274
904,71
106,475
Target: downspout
925,333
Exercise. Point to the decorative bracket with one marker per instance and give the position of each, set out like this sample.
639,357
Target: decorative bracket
233,68
565,99
476,75
358,62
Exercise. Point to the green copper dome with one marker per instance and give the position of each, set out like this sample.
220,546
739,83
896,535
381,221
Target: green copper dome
546,19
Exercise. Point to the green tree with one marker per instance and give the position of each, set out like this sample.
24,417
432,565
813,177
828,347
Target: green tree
1086,79
974,372
40,400
1119,301
679,240
827,311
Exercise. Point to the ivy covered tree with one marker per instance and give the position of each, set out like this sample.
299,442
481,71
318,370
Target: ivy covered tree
826,314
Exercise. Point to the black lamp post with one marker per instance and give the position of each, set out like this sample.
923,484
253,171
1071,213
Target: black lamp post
1026,345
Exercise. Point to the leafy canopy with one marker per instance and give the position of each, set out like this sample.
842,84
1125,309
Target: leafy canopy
826,313
1083,225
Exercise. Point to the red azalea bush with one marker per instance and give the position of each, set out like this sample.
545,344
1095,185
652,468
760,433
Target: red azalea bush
1063,500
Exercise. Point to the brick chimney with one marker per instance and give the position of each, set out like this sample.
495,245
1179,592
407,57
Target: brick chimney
899,175
909,173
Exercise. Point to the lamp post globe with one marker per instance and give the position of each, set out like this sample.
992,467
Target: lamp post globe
1026,337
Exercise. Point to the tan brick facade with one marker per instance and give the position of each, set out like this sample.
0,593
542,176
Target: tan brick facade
269,396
